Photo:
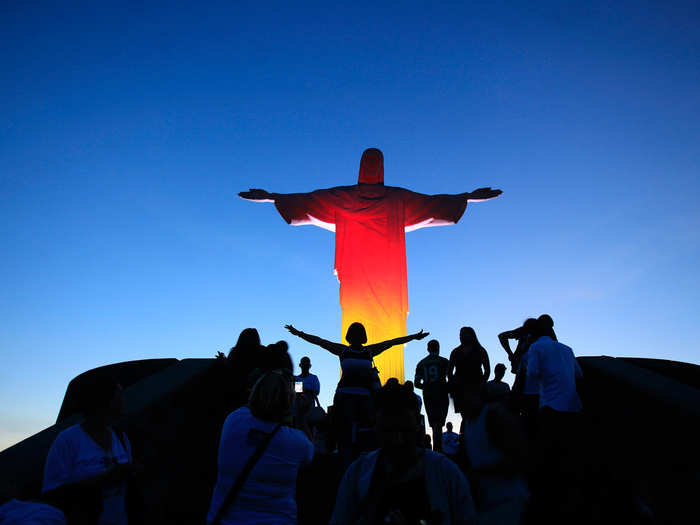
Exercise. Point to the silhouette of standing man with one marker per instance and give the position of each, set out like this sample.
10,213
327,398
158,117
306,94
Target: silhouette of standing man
369,220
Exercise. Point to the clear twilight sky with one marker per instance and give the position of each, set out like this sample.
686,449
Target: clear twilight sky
127,131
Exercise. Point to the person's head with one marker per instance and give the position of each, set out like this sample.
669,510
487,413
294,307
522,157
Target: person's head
371,167
101,397
397,422
449,426
499,371
428,442
305,365
545,326
433,346
467,336
356,334
272,396
276,356
392,381
248,338
530,326
409,385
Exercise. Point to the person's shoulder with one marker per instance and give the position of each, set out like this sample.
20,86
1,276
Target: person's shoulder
294,436
423,361
564,347
441,462
540,343
242,413
70,434
16,511
362,463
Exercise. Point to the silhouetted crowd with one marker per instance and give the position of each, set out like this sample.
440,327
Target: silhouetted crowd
516,459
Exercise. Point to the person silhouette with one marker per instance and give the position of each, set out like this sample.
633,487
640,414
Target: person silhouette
497,389
402,482
352,403
466,362
450,442
431,377
523,338
370,220
94,458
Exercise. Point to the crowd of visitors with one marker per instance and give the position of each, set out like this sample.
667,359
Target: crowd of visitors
515,448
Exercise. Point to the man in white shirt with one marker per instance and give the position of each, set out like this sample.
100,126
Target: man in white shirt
553,366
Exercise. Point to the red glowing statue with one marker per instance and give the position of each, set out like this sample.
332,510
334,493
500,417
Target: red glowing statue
369,221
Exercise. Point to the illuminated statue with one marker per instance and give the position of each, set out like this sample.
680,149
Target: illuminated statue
369,221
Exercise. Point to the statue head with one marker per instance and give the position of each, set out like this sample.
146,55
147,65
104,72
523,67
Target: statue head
371,167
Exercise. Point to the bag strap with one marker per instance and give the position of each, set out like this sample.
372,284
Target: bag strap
243,475
122,439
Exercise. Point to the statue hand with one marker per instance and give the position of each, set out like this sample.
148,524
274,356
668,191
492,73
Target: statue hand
483,194
256,194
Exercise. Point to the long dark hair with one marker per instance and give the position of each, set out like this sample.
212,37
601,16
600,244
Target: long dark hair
467,335
249,339
356,334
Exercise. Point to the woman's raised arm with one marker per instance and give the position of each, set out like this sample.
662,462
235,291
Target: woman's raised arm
378,348
333,348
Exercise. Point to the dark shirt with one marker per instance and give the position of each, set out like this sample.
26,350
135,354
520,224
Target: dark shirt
409,497
432,370
467,363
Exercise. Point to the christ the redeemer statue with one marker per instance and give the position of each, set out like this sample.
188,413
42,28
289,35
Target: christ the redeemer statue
369,221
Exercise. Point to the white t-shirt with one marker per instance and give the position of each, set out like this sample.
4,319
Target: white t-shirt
311,383
268,495
553,366
16,512
74,456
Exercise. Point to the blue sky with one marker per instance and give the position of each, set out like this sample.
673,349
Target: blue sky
127,130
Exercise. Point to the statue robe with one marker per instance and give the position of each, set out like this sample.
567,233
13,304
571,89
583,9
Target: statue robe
369,221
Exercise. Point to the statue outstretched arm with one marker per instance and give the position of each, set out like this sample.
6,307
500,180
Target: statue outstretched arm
481,194
317,207
333,348
257,195
440,210
378,348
